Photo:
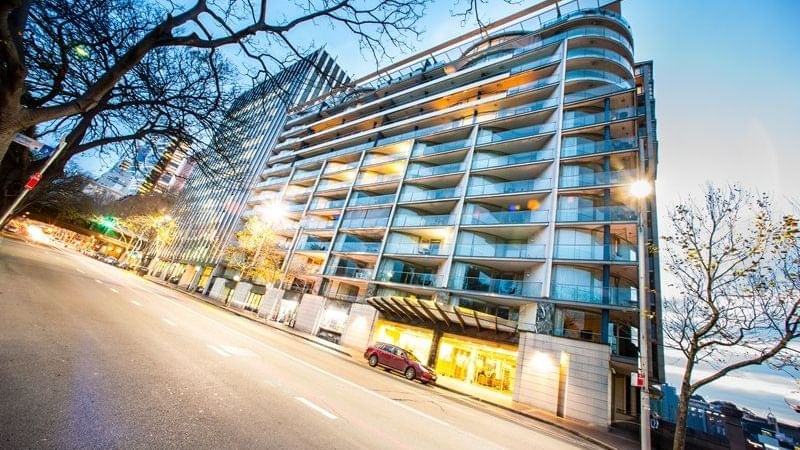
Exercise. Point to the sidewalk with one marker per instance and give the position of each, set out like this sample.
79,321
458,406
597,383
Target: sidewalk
595,435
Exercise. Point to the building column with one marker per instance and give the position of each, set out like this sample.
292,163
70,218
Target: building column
434,351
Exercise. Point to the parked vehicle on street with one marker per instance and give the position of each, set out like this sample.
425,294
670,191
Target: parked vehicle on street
392,357
140,270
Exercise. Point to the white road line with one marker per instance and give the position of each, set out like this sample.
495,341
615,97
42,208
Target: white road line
136,303
169,322
98,281
316,408
81,271
217,349
114,291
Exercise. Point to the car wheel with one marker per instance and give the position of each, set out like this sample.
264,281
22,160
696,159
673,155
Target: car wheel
411,374
373,360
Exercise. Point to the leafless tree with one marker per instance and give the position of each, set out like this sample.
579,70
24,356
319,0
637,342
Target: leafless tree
735,269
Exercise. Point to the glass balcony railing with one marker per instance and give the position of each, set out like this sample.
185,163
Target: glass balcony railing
521,251
525,109
319,225
369,222
328,185
595,179
518,133
533,85
516,288
296,208
582,120
313,246
424,221
362,180
511,187
535,64
421,148
602,53
593,148
379,159
597,295
505,217
425,131
510,160
373,200
413,278
596,252
297,192
420,172
334,168
319,203
593,74
305,175
414,248
358,247
436,194
335,153
597,214
349,272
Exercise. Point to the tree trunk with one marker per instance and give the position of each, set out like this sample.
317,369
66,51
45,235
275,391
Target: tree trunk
679,440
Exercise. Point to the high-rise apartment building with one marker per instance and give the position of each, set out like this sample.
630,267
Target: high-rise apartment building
209,212
164,175
472,204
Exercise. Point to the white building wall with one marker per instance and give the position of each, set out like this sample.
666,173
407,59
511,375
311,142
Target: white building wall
217,288
308,313
270,302
587,385
240,293
358,328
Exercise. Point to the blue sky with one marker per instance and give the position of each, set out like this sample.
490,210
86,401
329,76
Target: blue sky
727,107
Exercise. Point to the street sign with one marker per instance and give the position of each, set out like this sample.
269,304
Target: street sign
637,379
33,181
29,142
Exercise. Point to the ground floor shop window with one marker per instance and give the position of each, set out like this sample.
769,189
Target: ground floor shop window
482,363
416,340
287,311
253,302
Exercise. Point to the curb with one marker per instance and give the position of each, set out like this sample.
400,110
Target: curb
250,317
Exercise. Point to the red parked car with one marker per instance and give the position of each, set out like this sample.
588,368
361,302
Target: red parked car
393,357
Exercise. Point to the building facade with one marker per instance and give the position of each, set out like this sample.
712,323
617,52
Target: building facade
165,176
472,204
209,211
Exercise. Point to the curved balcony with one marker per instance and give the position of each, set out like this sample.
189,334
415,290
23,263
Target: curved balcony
431,171
423,221
514,251
596,252
527,108
596,295
535,64
584,120
505,217
372,200
600,147
435,194
600,53
513,159
510,187
515,288
596,179
597,75
600,91
597,214
540,83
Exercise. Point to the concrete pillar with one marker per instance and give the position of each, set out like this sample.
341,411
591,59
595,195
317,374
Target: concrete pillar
309,312
434,351
195,279
358,328
217,288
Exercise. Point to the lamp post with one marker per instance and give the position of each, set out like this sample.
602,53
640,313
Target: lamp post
641,189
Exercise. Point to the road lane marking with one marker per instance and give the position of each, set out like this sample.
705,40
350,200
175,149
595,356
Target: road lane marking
237,351
98,281
114,291
136,303
316,408
81,271
169,322
218,350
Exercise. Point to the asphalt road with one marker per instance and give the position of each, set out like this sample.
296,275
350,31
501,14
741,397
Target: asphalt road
95,357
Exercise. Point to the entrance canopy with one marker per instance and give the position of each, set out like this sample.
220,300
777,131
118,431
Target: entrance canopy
409,309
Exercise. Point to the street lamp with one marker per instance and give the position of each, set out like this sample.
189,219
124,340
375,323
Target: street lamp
640,190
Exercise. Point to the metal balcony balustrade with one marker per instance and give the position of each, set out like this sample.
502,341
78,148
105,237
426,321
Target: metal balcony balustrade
423,221
600,53
595,295
509,160
415,248
515,288
319,203
596,252
373,179
313,246
594,148
505,217
527,108
330,185
596,179
372,200
349,272
368,222
435,194
517,133
595,74
423,148
429,171
302,175
583,120
542,82
616,213
318,224
519,251
510,187
412,278
536,63
357,247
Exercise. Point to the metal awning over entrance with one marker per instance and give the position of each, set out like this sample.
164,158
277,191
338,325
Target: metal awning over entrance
414,310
